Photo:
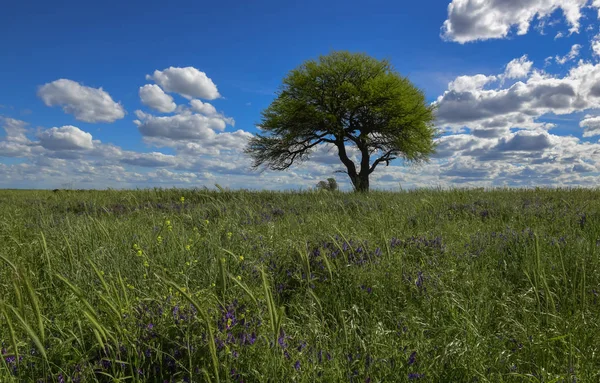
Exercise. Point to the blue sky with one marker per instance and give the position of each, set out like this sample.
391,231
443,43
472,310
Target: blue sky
73,111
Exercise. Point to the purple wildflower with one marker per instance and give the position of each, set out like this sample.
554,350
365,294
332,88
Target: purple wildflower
281,339
412,359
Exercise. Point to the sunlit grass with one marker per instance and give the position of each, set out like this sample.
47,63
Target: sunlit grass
183,285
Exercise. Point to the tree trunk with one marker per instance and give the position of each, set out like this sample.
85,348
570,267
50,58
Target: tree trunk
360,180
362,184
363,175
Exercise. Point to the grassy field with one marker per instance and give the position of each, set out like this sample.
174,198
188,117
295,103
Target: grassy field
194,286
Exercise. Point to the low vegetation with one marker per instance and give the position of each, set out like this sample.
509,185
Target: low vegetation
193,286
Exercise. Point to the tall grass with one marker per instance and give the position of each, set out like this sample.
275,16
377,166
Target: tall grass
224,286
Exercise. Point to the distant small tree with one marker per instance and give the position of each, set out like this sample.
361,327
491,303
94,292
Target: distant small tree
345,98
329,185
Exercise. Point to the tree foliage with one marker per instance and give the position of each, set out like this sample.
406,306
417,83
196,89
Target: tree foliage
356,103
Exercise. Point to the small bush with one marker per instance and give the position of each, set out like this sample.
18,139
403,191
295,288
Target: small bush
329,185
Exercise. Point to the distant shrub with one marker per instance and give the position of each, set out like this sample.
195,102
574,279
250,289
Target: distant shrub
329,185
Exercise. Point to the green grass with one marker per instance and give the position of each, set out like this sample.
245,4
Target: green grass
424,286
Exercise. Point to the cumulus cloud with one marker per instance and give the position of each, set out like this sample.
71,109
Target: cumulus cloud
208,110
525,141
518,68
203,108
591,125
472,20
184,126
154,97
65,138
189,82
214,145
501,137
15,130
15,143
85,103
523,102
470,83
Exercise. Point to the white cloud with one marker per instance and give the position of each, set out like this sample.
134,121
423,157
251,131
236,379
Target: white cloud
189,82
470,83
203,108
15,130
523,102
65,138
596,4
13,149
472,20
149,160
184,126
591,125
208,110
595,45
154,97
573,53
85,103
518,68
213,145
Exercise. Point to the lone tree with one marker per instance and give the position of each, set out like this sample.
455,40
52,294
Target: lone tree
345,98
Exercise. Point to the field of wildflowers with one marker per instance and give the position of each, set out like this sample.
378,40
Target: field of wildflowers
219,286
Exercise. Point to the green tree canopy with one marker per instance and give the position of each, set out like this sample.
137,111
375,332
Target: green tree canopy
345,98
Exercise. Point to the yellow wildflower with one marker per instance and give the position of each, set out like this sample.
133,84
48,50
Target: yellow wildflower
188,247
241,257
146,264
159,239
229,235
239,277
139,253
182,199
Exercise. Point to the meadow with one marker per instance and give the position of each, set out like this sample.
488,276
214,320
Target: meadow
170,285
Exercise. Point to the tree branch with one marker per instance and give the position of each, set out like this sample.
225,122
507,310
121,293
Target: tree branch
387,157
